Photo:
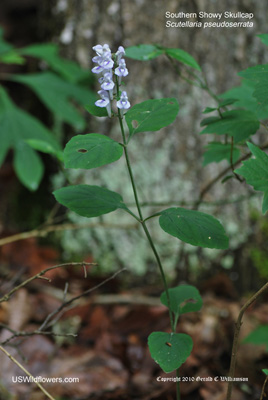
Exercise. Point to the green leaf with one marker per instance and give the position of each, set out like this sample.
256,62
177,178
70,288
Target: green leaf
17,126
216,152
210,120
194,227
264,38
208,110
45,147
259,336
245,99
89,201
96,111
255,171
151,115
4,46
183,57
183,299
143,52
265,371
240,124
28,166
50,53
56,94
12,57
91,151
259,76
227,102
170,350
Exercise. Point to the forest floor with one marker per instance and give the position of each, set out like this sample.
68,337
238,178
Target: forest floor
109,355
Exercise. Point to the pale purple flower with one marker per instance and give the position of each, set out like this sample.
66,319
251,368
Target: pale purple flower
104,101
97,70
106,62
105,67
120,53
121,70
123,103
107,83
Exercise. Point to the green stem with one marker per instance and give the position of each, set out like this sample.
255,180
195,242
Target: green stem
143,223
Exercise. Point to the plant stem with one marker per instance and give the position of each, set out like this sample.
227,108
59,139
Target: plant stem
236,336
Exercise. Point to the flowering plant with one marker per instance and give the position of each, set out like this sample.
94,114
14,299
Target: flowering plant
108,68
169,350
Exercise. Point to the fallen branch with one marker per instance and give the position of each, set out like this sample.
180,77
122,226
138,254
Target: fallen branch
7,296
55,228
26,372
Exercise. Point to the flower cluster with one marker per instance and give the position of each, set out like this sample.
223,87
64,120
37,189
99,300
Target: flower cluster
107,66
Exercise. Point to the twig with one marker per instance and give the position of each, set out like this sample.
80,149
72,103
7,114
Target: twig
26,372
211,183
85,293
55,228
32,333
236,336
263,388
7,296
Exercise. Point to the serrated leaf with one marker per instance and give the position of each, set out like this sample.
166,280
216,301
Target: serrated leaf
28,165
259,76
49,52
170,350
143,52
151,115
56,94
245,99
96,111
91,151
194,227
183,299
89,201
216,152
240,124
255,171
183,57
259,336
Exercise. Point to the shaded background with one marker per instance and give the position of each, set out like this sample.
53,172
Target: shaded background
167,165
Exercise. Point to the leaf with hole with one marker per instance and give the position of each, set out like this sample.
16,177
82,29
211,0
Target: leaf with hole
89,201
183,299
194,227
151,115
91,151
255,171
170,350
